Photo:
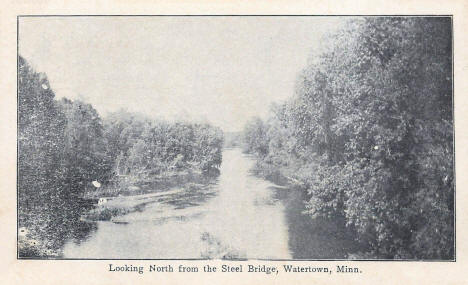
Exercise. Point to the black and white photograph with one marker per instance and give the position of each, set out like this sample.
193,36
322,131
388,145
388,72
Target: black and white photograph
235,137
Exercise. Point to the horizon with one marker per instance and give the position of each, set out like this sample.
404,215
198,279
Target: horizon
225,71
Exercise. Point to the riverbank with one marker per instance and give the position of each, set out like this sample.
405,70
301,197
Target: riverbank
130,196
111,207
127,185
236,217
127,194
280,175
320,237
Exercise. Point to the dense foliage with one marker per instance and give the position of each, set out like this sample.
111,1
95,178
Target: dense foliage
369,135
65,145
48,208
143,148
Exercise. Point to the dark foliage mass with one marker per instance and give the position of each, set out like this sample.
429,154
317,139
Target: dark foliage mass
64,145
369,136
143,148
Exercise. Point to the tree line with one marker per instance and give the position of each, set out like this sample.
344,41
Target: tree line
64,145
368,134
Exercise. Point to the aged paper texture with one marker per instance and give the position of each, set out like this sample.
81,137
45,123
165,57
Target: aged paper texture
196,142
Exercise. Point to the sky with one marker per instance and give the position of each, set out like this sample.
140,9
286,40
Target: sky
221,70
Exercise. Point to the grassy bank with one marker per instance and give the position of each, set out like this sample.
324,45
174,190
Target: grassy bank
125,198
135,185
122,205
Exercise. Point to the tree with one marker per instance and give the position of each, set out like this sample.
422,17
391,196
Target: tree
371,125
255,137
85,155
45,209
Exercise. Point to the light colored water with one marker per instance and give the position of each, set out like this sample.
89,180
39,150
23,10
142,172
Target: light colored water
242,220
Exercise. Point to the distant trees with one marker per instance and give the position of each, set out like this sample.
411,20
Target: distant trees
65,145
370,130
233,139
141,147
255,137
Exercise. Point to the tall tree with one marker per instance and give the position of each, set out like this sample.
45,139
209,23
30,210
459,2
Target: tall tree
371,122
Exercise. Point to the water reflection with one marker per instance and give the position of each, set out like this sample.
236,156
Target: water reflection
236,216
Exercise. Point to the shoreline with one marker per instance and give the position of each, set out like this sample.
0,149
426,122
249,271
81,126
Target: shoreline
122,205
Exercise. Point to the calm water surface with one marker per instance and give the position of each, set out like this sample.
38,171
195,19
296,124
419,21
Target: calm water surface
239,216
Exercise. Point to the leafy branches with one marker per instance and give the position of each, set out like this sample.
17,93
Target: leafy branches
371,129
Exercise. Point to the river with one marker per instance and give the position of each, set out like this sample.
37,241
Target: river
238,216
